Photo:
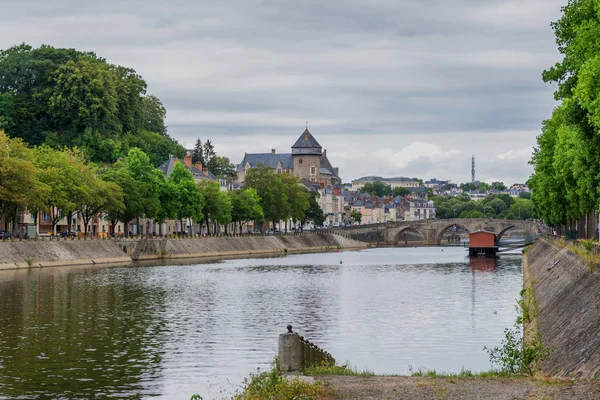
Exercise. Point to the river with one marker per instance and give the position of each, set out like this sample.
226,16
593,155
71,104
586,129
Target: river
172,331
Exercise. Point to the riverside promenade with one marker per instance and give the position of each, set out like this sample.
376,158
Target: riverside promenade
16,254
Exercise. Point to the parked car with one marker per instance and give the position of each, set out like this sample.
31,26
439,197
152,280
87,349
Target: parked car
254,232
70,234
4,235
336,225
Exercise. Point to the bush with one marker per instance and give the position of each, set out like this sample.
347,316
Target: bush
514,356
271,385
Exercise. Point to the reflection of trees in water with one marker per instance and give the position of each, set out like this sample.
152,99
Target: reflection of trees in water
301,296
77,335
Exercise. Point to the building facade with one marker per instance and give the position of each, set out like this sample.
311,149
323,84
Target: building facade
308,160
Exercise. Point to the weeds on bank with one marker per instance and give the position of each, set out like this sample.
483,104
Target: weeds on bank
272,385
326,368
515,355
585,250
464,373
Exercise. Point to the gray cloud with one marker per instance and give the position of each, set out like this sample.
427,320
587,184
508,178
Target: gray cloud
373,78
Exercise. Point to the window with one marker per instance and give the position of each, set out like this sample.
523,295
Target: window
313,170
279,170
46,217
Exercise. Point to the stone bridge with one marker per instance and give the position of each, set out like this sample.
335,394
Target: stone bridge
433,230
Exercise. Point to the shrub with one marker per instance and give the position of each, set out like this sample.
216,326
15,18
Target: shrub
271,385
514,356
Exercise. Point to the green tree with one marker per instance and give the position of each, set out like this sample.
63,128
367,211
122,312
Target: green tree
498,186
84,95
525,195
153,115
400,191
61,172
472,214
377,188
217,204
222,168
355,216
209,152
314,212
245,207
188,202
20,188
520,209
271,190
298,198
198,153
101,197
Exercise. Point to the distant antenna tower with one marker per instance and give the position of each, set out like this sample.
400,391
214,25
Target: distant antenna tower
472,169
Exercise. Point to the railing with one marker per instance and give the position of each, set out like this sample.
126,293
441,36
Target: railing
46,237
296,353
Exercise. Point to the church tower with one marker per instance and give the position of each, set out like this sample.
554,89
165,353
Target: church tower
306,153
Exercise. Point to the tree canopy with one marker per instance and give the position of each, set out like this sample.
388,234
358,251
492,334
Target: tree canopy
566,159
65,97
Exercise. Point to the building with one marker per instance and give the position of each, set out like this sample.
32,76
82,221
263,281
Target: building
308,160
433,183
399,181
416,210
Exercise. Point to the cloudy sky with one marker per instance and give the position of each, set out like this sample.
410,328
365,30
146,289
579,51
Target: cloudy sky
389,87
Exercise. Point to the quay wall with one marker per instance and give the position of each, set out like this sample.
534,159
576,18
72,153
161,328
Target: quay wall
566,309
65,252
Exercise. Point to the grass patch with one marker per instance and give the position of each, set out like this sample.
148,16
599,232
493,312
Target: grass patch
326,368
586,250
464,373
272,385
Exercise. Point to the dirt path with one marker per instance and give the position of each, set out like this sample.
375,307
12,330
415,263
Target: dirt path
424,388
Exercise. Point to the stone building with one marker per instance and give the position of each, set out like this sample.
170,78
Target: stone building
308,160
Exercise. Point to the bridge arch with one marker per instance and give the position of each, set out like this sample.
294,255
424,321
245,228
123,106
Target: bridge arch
399,236
443,231
503,231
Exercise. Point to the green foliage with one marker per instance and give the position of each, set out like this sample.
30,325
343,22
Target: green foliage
498,186
65,97
217,205
355,216
525,195
186,201
464,373
271,385
567,158
377,188
327,368
245,206
400,191
514,356
314,212
494,206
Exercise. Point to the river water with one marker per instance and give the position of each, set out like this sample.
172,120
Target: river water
172,331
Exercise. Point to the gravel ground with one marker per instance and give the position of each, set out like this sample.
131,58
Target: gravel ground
424,388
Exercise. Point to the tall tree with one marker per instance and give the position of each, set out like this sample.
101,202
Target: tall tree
188,201
209,152
245,207
377,188
61,171
271,190
153,115
102,197
198,153
20,187
217,204
314,212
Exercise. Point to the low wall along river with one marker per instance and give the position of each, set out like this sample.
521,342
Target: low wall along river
65,252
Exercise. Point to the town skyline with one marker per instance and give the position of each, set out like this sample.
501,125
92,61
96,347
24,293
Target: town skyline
397,86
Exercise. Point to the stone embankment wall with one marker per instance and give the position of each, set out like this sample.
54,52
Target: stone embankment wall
566,309
48,253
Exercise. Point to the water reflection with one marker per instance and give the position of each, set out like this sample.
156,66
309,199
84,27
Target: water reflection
175,330
486,264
